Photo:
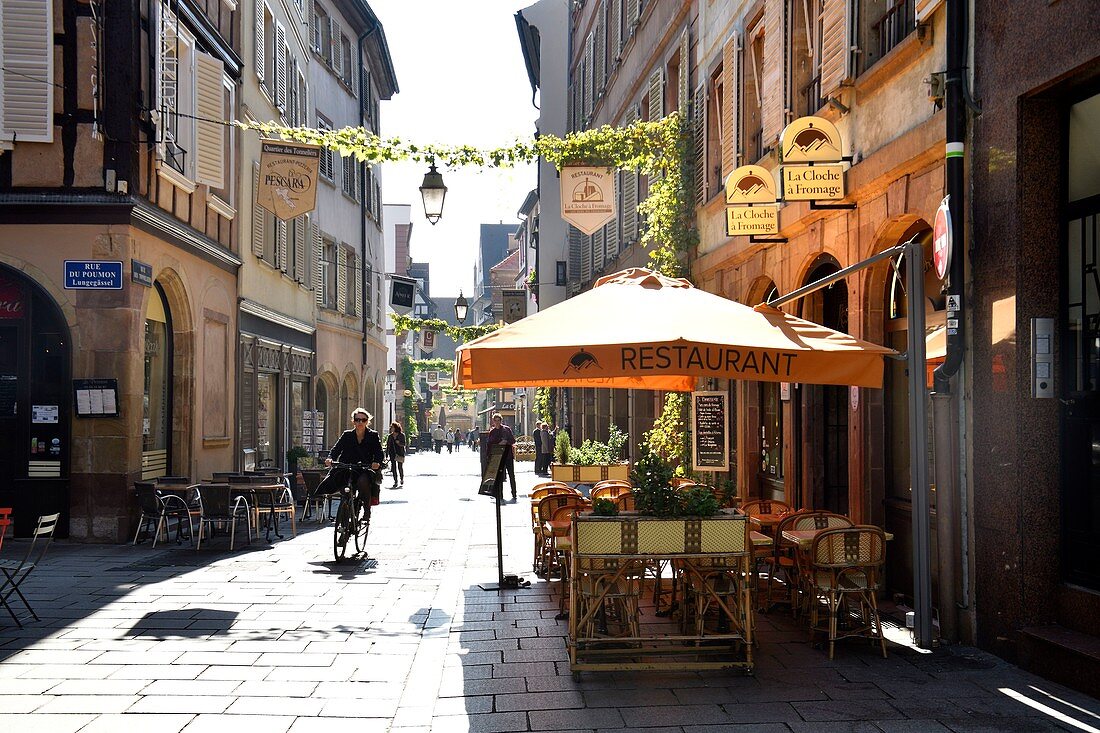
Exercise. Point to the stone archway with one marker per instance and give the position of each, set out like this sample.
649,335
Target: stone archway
181,323
326,399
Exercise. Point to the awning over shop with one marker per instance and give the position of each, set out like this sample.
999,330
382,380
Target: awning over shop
638,329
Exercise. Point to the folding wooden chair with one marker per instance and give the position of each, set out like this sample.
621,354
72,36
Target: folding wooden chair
16,572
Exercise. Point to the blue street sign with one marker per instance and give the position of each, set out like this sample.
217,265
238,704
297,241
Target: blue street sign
93,275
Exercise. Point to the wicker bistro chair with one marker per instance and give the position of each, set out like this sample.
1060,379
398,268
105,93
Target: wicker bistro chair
721,586
561,541
219,505
541,491
607,596
782,562
625,501
846,566
544,511
609,490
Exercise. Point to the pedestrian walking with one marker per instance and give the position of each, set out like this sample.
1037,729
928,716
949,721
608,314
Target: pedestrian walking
438,436
546,447
501,434
458,439
536,436
449,439
395,449
471,438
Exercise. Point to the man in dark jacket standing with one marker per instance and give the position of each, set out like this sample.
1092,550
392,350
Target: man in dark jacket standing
501,434
537,436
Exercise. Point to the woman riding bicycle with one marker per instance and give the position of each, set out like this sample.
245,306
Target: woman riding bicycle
360,445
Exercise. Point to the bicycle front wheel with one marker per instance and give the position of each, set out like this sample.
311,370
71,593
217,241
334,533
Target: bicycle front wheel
343,530
362,526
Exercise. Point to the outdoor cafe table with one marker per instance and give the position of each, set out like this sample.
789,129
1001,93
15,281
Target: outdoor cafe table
265,494
613,548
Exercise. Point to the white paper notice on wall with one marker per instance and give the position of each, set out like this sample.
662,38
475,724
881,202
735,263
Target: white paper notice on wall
44,414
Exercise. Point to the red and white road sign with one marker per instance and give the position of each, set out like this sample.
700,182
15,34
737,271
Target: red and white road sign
942,239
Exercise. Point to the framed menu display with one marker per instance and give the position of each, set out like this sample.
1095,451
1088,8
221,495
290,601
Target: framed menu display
96,397
710,446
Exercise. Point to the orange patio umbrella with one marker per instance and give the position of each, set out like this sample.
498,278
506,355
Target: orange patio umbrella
641,330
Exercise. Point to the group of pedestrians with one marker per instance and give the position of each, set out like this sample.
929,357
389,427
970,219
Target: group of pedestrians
544,438
453,439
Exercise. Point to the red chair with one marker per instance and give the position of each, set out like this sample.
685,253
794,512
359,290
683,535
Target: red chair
5,521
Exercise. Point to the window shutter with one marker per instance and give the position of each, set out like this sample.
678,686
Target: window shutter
281,245
357,278
26,37
598,244
633,12
684,80
586,257
167,102
335,51
699,139
318,246
576,239
341,278
656,103
730,86
630,195
836,55
601,52
571,119
614,36
301,229
210,136
774,79
258,40
280,68
311,10
588,87
257,215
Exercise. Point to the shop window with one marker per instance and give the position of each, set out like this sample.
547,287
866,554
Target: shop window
882,25
715,132
298,390
771,432
267,419
805,56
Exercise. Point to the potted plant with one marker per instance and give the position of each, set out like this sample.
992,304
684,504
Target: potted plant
593,461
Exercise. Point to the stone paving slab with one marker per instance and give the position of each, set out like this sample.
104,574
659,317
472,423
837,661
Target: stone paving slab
278,638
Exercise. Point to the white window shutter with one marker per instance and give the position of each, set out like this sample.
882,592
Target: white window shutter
318,264
357,277
774,74
26,37
656,103
311,11
683,82
280,244
731,55
633,13
598,245
836,55
341,278
301,231
614,38
699,142
336,53
258,40
257,215
280,66
209,136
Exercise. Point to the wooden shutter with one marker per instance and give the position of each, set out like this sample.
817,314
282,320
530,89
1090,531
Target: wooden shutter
586,257
656,94
209,136
731,55
281,245
356,275
587,79
633,12
257,215
301,233
341,278
280,67
576,240
774,80
683,80
334,50
699,140
601,51
614,32
258,40
836,55
318,246
26,96
311,12
611,241
598,251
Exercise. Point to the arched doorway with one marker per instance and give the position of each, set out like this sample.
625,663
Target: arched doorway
823,409
766,406
156,403
35,430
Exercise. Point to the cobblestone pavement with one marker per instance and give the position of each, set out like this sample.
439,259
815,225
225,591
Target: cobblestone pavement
276,637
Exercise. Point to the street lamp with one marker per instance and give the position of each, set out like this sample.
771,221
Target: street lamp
391,378
432,191
391,392
461,308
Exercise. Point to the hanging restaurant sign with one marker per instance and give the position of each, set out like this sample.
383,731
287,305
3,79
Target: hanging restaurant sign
514,303
587,197
288,178
813,182
750,184
752,220
811,140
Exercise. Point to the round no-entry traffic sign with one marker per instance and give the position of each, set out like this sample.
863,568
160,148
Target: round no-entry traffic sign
941,239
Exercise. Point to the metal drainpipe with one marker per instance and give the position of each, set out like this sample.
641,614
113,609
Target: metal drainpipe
945,403
362,192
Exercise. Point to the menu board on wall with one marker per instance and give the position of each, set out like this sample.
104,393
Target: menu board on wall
710,444
96,397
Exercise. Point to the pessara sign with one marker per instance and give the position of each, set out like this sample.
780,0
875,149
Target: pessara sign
12,299
93,275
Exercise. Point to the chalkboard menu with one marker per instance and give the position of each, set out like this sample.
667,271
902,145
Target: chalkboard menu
710,451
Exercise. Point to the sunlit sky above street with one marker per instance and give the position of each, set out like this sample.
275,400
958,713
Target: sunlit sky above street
462,81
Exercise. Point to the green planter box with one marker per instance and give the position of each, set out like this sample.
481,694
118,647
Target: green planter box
574,474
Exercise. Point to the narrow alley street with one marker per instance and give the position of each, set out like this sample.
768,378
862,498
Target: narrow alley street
276,637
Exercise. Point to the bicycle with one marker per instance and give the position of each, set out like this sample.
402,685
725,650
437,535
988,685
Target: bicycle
353,516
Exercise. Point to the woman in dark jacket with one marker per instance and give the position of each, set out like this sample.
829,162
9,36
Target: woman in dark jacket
395,449
358,445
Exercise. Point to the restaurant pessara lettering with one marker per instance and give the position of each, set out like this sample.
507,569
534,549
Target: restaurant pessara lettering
646,358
